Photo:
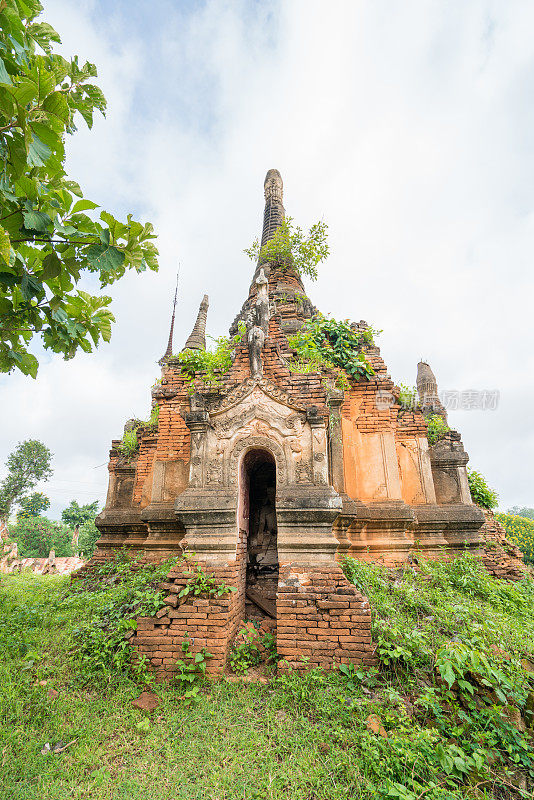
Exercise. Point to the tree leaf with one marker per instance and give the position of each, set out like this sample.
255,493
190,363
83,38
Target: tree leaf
36,220
56,104
52,266
104,257
5,77
5,245
38,152
84,205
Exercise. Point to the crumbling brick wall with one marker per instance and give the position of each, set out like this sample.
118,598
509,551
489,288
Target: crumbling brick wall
501,557
209,622
321,618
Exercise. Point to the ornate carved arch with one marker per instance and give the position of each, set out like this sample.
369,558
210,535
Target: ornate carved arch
257,443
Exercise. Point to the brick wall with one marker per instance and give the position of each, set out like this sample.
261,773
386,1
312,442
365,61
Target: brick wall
501,558
321,617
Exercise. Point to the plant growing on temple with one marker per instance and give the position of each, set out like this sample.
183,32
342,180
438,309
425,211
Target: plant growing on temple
327,343
437,428
407,396
481,493
28,464
290,247
199,583
129,443
117,592
209,365
520,531
48,243
191,671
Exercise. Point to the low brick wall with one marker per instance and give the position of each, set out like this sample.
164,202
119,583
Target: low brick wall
323,618
209,623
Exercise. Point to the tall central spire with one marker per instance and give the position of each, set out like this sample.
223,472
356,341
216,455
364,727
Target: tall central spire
274,213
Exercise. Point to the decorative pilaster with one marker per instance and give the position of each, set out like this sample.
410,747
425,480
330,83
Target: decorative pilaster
335,401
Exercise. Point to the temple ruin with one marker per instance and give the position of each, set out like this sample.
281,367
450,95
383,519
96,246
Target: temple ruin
273,477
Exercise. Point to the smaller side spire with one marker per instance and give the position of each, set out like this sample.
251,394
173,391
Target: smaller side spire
197,339
168,352
427,389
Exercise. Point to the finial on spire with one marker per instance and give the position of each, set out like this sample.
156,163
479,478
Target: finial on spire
197,339
168,352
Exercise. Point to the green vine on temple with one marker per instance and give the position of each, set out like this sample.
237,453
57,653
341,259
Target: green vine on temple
326,343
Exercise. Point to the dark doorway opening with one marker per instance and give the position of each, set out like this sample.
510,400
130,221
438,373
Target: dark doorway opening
262,553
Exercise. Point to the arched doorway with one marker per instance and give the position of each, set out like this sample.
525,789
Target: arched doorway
258,523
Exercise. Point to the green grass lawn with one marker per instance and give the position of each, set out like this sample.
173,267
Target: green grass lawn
296,738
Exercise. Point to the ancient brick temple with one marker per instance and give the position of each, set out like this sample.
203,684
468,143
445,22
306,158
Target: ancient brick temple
276,476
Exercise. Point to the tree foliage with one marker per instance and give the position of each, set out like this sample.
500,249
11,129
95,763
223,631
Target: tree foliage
520,530
88,537
28,464
49,245
37,536
76,515
291,247
522,511
33,505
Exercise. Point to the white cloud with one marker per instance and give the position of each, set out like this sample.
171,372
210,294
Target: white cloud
407,126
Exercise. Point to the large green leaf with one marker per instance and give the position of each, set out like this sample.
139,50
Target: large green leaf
56,104
36,220
38,152
4,74
104,257
43,33
84,205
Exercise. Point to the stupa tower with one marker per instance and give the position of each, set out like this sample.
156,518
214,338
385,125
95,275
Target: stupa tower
271,475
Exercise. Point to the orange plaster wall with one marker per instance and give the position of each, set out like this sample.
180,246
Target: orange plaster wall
412,456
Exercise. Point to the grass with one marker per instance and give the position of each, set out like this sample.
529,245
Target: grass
293,738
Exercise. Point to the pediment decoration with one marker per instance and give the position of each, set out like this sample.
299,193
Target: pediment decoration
257,414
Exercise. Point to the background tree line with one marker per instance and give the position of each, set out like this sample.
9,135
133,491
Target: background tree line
35,534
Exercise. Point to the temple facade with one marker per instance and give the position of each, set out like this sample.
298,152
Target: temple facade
272,477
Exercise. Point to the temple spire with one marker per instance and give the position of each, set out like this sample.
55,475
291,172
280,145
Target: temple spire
274,213
197,339
427,389
168,352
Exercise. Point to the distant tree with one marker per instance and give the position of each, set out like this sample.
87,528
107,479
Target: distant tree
76,516
28,464
520,529
37,536
33,505
49,245
521,511
88,537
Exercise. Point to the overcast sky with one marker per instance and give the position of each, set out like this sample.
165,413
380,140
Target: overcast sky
407,126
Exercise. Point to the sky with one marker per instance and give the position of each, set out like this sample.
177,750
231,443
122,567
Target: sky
407,125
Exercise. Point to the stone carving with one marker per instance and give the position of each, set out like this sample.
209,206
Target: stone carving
214,471
258,326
